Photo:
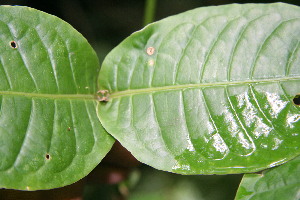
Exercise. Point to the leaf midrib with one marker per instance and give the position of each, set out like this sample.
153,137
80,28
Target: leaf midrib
130,92
50,96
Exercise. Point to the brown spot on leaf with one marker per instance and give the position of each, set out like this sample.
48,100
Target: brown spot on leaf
150,51
103,95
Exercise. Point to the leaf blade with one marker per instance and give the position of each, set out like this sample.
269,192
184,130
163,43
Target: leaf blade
50,133
279,182
212,96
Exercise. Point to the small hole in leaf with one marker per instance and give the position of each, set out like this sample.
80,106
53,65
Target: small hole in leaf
48,157
13,44
296,100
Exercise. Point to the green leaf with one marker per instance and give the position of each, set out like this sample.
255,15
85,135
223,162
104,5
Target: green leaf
209,91
50,135
281,182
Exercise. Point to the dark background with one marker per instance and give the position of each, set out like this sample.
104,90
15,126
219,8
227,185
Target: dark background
105,24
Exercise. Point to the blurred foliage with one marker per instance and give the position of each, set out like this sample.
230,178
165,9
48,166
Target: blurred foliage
147,183
159,185
105,24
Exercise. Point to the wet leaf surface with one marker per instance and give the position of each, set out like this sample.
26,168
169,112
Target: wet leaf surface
209,91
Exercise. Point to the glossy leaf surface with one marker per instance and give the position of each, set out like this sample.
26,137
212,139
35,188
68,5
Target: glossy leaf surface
209,91
50,135
282,182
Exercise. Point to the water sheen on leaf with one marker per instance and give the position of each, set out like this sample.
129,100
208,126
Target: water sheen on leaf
281,182
50,135
209,91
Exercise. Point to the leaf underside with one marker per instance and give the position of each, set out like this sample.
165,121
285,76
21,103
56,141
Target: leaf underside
209,91
281,182
50,135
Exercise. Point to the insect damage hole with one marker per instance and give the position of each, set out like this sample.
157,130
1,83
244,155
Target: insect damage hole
48,157
296,100
13,44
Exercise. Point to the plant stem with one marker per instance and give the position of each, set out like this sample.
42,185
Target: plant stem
150,7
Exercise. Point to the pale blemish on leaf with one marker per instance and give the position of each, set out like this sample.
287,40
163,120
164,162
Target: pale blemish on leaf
151,62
